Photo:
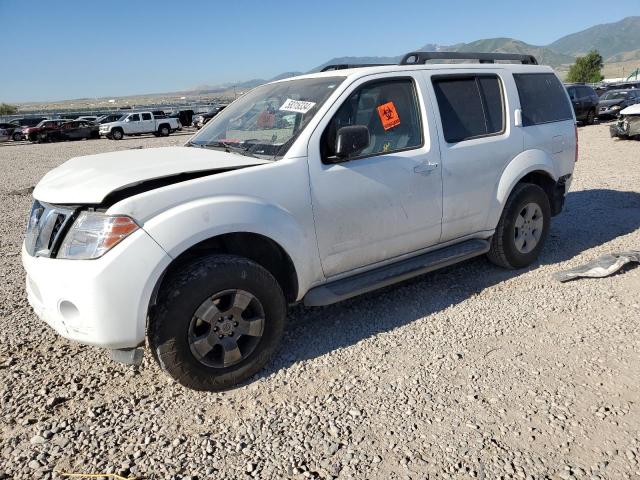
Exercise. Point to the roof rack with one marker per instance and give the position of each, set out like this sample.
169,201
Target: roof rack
415,58
344,66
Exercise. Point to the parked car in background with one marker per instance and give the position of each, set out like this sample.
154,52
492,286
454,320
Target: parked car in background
612,102
628,125
137,123
111,117
585,102
33,134
28,121
75,130
355,179
200,119
15,131
88,118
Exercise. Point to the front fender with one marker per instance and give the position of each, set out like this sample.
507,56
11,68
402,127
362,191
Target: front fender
185,225
523,164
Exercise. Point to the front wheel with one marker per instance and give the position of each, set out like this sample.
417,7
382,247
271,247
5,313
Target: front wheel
219,320
522,229
117,134
17,136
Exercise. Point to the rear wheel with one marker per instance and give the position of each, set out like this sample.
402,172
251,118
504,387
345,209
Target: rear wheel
17,136
219,319
591,116
164,130
522,229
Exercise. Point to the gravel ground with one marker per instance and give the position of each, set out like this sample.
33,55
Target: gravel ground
471,371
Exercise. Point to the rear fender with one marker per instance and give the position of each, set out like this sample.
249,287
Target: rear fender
523,164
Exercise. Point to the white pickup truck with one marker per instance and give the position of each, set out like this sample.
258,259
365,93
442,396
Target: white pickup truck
137,123
312,189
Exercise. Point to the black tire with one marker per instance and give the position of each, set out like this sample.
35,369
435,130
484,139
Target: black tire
185,291
164,130
504,252
591,117
17,136
117,134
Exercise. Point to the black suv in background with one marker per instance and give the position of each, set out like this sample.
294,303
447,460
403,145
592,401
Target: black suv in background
585,102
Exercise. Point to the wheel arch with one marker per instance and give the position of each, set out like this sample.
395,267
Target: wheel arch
256,247
532,166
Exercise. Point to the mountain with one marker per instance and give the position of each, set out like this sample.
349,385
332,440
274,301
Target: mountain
544,55
618,43
610,39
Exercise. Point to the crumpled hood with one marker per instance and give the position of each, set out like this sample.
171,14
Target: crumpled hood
632,110
89,179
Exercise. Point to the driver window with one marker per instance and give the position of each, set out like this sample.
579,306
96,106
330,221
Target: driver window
389,109
134,118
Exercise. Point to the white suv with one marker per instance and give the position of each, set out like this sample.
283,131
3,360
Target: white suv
312,189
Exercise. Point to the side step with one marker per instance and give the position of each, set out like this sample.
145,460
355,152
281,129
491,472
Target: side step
342,289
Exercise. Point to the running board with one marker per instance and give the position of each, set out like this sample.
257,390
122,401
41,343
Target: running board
345,288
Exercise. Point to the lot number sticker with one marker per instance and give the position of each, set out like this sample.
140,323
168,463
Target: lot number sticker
388,115
298,106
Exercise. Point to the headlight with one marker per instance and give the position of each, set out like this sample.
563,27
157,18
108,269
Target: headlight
616,107
93,234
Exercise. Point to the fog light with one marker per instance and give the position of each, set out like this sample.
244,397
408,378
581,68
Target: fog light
68,310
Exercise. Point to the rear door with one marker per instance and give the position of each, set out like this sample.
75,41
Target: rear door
147,124
475,119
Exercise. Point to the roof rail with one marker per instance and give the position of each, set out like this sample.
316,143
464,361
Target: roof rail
415,58
344,66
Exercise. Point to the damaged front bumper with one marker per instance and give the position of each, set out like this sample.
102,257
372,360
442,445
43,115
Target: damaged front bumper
628,126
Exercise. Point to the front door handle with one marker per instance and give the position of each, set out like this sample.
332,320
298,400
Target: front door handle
425,168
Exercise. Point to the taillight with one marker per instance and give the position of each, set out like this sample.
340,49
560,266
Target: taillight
576,130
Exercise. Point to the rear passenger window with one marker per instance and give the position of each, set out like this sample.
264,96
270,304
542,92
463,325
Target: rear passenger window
470,106
542,98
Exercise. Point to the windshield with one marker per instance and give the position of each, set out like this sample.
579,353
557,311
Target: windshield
267,120
615,95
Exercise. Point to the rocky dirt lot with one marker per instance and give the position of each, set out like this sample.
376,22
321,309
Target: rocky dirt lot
470,372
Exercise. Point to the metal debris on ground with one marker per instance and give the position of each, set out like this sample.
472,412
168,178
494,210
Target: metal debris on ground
603,266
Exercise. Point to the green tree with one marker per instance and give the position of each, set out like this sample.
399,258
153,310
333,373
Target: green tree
6,109
587,69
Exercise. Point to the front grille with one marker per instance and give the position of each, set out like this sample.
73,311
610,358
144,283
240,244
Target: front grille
46,225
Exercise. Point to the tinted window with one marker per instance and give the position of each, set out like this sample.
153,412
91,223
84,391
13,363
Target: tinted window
134,118
542,98
389,109
470,107
573,94
146,116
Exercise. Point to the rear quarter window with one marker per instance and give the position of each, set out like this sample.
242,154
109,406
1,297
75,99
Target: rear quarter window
542,98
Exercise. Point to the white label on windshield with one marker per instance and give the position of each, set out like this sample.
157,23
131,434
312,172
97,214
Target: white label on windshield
299,106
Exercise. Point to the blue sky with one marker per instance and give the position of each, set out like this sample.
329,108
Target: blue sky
71,49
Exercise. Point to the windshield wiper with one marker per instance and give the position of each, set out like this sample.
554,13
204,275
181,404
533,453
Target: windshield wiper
229,148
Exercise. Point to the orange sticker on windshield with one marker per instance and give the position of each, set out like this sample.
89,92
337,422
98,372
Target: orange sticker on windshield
388,115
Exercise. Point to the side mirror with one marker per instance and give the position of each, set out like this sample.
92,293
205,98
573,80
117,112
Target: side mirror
351,140
128,119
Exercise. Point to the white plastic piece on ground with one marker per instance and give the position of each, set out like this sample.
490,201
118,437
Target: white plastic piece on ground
603,266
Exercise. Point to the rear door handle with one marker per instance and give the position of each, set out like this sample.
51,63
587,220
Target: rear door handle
425,168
